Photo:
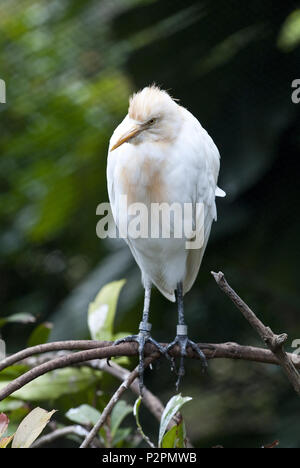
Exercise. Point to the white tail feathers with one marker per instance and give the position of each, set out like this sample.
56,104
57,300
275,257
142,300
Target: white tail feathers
219,192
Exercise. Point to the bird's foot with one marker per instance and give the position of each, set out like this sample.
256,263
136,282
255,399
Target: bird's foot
184,342
141,339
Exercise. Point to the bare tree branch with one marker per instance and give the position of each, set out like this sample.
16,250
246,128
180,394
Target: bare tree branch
70,345
274,342
212,351
114,399
129,349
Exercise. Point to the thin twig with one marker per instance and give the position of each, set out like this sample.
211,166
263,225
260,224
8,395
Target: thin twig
115,398
274,342
58,433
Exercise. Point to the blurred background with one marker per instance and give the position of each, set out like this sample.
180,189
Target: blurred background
69,68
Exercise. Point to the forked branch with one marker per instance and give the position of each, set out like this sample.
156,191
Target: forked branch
91,350
274,342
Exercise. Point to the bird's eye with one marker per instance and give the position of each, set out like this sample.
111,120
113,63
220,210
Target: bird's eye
151,121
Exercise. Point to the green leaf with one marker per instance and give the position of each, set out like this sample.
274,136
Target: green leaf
119,412
169,440
84,414
173,406
289,35
56,383
31,427
136,409
175,437
40,334
18,318
102,311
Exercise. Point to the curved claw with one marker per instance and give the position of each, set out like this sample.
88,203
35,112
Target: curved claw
141,339
200,353
122,340
170,346
126,339
183,342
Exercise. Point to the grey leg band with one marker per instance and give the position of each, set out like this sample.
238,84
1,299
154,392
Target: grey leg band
182,330
145,327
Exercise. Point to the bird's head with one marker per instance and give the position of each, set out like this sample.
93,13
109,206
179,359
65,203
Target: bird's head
153,116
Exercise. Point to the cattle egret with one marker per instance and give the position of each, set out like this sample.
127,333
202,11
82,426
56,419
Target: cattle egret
161,153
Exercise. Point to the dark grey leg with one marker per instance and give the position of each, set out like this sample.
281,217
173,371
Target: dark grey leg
182,338
143,337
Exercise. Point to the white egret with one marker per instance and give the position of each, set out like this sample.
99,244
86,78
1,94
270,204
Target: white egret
161,153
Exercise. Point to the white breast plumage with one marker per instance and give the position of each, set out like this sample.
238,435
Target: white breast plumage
182,170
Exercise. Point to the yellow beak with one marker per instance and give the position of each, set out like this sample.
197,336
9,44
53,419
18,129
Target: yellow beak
134,131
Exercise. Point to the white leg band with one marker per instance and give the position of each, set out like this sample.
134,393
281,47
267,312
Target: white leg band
182,330
145,326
